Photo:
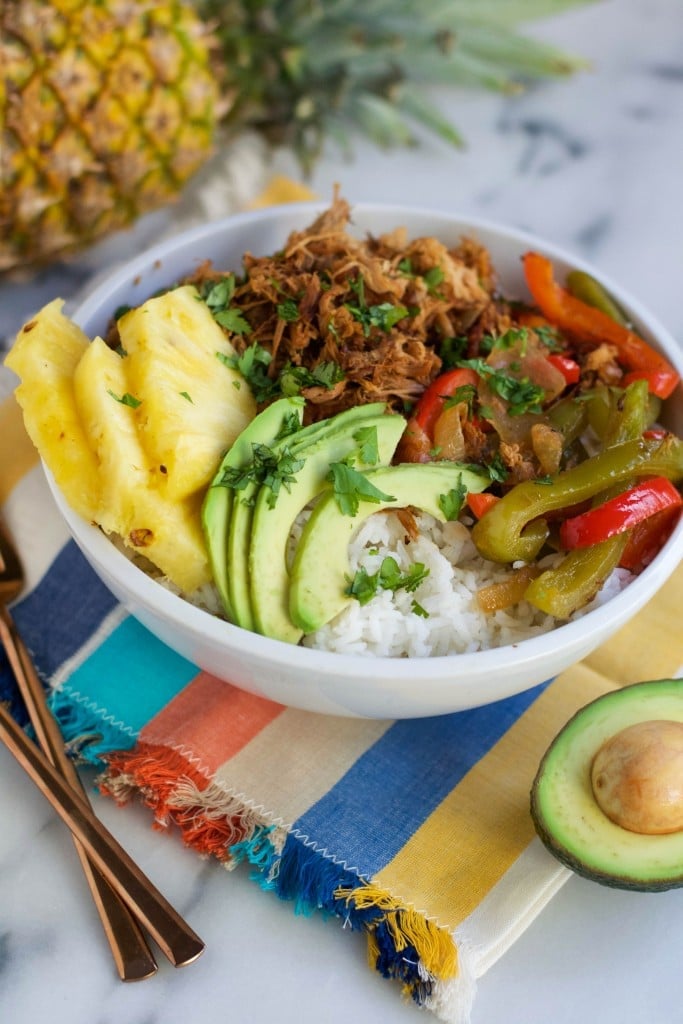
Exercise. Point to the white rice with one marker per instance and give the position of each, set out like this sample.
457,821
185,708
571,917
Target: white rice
389,626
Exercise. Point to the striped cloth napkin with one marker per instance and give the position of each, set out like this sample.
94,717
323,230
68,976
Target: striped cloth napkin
415,834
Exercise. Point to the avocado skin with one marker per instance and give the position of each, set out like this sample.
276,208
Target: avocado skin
218,502
563,780
268,575
321,565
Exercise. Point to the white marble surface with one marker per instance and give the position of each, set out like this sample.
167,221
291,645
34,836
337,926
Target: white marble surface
594,164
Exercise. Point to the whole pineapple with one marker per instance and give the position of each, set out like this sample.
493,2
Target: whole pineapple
107,108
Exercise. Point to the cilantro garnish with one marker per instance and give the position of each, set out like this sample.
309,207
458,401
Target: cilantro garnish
433,278
253,364
497,469
417,609
452,351
364,585
186,396
218,298
351,487
274,469
451,503
522,395
382,316
368,448
292,379
515,336
288,310
466,393
130,400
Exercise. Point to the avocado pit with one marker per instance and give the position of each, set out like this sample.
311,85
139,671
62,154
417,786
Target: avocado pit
637,777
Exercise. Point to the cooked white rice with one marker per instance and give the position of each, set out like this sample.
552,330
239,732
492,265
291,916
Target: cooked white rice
388,625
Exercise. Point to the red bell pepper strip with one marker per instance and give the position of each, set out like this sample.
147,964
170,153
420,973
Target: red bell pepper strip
592,325
620,513
647,538
431,403
569,368
479,504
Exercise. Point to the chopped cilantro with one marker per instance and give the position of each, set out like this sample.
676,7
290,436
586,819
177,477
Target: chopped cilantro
514,336
218,296
433,278
288,310
351,487
368,449
451,503
253,364
274,469
466,393
233,320
292,378
186,396
452,350
290,424
522,395
497,469
383,316
417,609
130,400
364,585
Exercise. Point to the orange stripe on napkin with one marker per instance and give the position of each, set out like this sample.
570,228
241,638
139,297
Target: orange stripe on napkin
17,454
211,716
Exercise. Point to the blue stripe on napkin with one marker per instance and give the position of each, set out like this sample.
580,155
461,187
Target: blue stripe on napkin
424,758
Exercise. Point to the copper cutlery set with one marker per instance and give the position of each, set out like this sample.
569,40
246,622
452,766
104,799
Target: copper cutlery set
127,901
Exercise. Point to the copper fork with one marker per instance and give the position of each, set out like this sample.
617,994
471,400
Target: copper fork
133,958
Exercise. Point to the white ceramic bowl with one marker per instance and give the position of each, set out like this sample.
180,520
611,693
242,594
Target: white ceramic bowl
332,683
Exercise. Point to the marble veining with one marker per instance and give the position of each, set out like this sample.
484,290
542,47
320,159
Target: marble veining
593,164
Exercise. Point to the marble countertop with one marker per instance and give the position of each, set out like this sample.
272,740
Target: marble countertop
593,164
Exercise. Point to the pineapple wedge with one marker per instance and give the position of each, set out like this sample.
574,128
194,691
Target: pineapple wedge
192,406
44,356
167,532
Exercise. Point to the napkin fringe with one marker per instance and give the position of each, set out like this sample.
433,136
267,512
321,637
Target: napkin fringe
88,735
403,944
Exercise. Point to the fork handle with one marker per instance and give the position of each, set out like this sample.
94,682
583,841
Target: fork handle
132,956
175,937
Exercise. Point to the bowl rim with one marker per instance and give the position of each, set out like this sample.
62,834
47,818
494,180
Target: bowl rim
333,665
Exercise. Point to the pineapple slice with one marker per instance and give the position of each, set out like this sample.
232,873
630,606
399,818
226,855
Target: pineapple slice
167,532
44,356
192,406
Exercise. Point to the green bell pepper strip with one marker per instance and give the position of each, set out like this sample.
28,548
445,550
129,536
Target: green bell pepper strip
513,529
583,286
576,580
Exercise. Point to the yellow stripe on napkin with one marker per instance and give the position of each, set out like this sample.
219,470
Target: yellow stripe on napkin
17,454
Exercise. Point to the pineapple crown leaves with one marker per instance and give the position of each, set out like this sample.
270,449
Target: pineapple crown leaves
303,70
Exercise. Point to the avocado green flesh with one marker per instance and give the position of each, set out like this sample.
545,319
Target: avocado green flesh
239,533
218,503
271,526
566,815
321,570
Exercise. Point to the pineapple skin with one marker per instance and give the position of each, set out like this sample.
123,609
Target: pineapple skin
105,111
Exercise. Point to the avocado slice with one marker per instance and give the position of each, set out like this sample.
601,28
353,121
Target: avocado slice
273,519
239,533
566,813
320,573
218,501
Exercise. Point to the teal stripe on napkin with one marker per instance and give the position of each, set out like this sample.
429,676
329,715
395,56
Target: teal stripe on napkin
131,676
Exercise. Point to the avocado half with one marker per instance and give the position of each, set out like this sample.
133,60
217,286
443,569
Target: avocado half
567,816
